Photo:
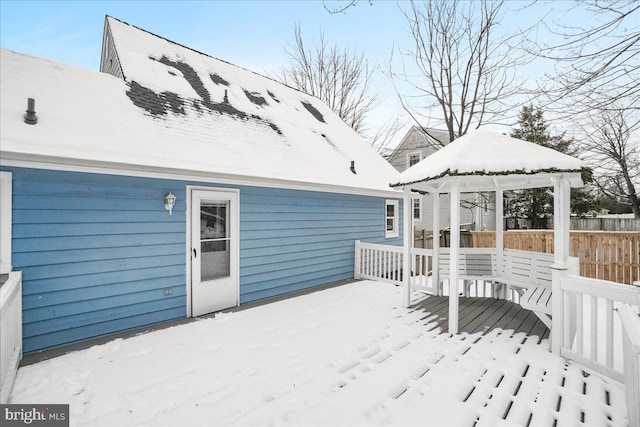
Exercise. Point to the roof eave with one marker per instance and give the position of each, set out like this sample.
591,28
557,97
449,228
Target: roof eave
37,161
483,181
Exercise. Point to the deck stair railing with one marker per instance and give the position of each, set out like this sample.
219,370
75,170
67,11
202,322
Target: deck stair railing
10,333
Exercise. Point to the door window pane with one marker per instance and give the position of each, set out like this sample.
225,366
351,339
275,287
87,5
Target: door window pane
214,240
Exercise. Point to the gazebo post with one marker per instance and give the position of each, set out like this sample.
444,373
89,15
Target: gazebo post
499,231
454,256
408,235
435,264
561,234
561,221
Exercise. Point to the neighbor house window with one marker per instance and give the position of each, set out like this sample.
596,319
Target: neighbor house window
391,219
417,211
5,222
413,158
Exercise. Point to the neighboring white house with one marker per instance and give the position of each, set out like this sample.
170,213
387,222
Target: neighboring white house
419,143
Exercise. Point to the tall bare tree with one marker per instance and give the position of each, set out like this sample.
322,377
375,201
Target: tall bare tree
598,62
465,68
615,156
339,77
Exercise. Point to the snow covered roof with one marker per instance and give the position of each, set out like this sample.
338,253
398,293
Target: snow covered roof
483,160
179,111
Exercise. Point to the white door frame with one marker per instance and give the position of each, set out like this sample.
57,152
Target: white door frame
235,214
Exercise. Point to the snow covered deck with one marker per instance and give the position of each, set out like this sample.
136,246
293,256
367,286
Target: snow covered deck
345,355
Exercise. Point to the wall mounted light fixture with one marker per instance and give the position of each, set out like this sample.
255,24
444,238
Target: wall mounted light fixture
169,202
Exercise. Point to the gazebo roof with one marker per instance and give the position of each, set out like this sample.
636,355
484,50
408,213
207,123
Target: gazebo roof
483,160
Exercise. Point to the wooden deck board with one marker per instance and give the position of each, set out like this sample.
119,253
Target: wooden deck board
488,318
483,315
468,310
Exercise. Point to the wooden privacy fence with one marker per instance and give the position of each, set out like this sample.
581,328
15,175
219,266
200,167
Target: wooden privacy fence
605,224
424,239
612,256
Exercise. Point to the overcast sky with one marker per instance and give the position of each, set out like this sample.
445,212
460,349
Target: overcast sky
252,34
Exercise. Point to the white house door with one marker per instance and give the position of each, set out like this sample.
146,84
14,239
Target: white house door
214,251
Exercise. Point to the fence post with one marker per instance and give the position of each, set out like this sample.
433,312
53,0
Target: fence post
557,307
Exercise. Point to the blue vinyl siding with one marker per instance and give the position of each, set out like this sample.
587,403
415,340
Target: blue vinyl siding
98,252
292,240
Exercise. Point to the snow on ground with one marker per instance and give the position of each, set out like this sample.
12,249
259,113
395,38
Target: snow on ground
349,355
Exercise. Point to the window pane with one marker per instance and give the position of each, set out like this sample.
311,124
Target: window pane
416,208
390,210
213,220
413,159
390,224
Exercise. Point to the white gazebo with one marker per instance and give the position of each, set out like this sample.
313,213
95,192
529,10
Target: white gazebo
484,161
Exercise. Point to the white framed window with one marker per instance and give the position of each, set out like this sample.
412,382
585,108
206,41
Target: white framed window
417,209
5,222
391,218
413,158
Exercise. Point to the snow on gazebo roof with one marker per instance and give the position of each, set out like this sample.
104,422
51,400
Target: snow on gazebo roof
483,160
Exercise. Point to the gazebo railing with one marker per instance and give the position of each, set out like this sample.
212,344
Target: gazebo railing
384,263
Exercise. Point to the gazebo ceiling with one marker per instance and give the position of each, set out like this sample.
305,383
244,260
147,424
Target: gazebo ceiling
485,161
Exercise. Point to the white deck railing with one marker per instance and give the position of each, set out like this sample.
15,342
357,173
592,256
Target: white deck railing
10,333
378,262
590,332
384,263
631,346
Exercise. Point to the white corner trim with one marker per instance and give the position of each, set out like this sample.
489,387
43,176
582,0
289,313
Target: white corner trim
5,221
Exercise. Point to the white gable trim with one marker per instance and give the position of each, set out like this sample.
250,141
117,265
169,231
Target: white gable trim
72,165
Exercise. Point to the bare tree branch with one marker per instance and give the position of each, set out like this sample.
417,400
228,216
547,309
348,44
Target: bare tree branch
385,135
465,71
596,66
614,156
342,7
340,78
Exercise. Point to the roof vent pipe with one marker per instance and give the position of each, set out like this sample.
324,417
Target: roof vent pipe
353,166
30,118
225,100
